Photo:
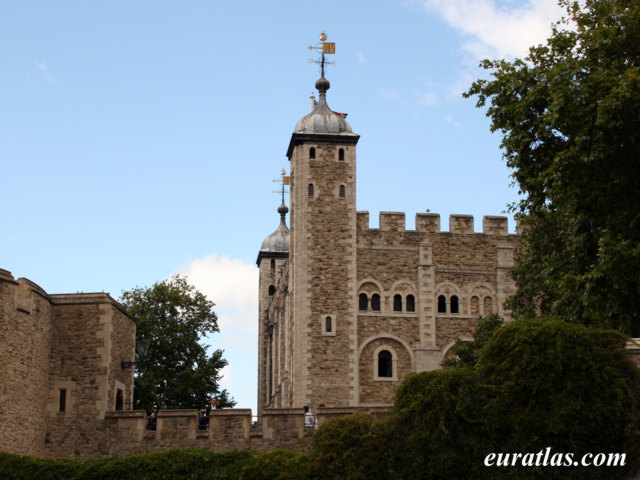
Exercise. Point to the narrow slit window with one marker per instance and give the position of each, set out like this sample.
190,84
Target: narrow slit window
272,290
454,304
328,326
375,302
312,153
411,303
341,155
63,400
385,364
119,400
342,191
310,190
363,302
442,304
273,266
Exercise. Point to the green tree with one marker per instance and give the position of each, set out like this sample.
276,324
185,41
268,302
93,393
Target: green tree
571,133
467,352
177,372
538,384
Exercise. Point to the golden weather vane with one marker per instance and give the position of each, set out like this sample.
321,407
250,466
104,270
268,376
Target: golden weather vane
323,47
283,181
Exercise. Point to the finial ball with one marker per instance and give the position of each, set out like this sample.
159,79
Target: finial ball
323,36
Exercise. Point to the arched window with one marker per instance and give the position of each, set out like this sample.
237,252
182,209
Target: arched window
375,302
342,191
454,304
363,302
397,303
411,303
341,154
272,290
488,305
385,364
310,190
327,325
312,153
475,305
442,304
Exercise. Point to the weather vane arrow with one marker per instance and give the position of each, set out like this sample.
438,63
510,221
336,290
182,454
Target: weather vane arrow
323,47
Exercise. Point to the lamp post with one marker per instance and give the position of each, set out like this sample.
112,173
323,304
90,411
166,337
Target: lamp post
142,347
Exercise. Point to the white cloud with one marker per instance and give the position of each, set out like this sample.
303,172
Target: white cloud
499,31
233,286
395,96
44,68
429,99
361,58
452,121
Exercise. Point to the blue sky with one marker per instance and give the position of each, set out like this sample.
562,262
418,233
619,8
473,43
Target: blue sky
140,139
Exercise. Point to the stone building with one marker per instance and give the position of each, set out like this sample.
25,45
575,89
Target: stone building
346,312
61,370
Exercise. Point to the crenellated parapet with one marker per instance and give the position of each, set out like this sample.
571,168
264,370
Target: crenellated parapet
430,223
126,432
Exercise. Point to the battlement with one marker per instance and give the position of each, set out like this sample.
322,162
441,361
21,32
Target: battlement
430,223
125,432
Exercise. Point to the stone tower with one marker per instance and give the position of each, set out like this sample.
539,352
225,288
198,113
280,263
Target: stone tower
354,310
271,260
322,268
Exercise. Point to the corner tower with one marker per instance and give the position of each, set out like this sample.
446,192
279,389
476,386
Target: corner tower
272,261
322,261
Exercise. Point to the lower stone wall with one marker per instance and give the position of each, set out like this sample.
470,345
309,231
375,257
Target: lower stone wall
125,433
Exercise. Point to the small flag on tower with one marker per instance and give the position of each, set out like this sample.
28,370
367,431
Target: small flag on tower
343,115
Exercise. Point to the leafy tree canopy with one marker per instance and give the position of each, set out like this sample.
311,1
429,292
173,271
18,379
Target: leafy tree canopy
177,371
467,352
570,118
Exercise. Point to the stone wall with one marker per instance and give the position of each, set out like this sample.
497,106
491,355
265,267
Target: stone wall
460,265
61,367
25,339
124,433
91,336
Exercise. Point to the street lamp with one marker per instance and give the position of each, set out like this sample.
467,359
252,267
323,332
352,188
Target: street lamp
142,347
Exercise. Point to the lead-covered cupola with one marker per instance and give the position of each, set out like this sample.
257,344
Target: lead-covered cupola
276,245
322,120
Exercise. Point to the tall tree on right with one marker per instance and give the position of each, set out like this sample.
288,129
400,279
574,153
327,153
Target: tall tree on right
570,118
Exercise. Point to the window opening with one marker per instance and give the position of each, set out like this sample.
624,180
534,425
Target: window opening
119,400
63,400
411,303
363,302
341,154
327,325
310,190
272,290
342,191
454,304
375,302
442,304
397,303
312,153
385,364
